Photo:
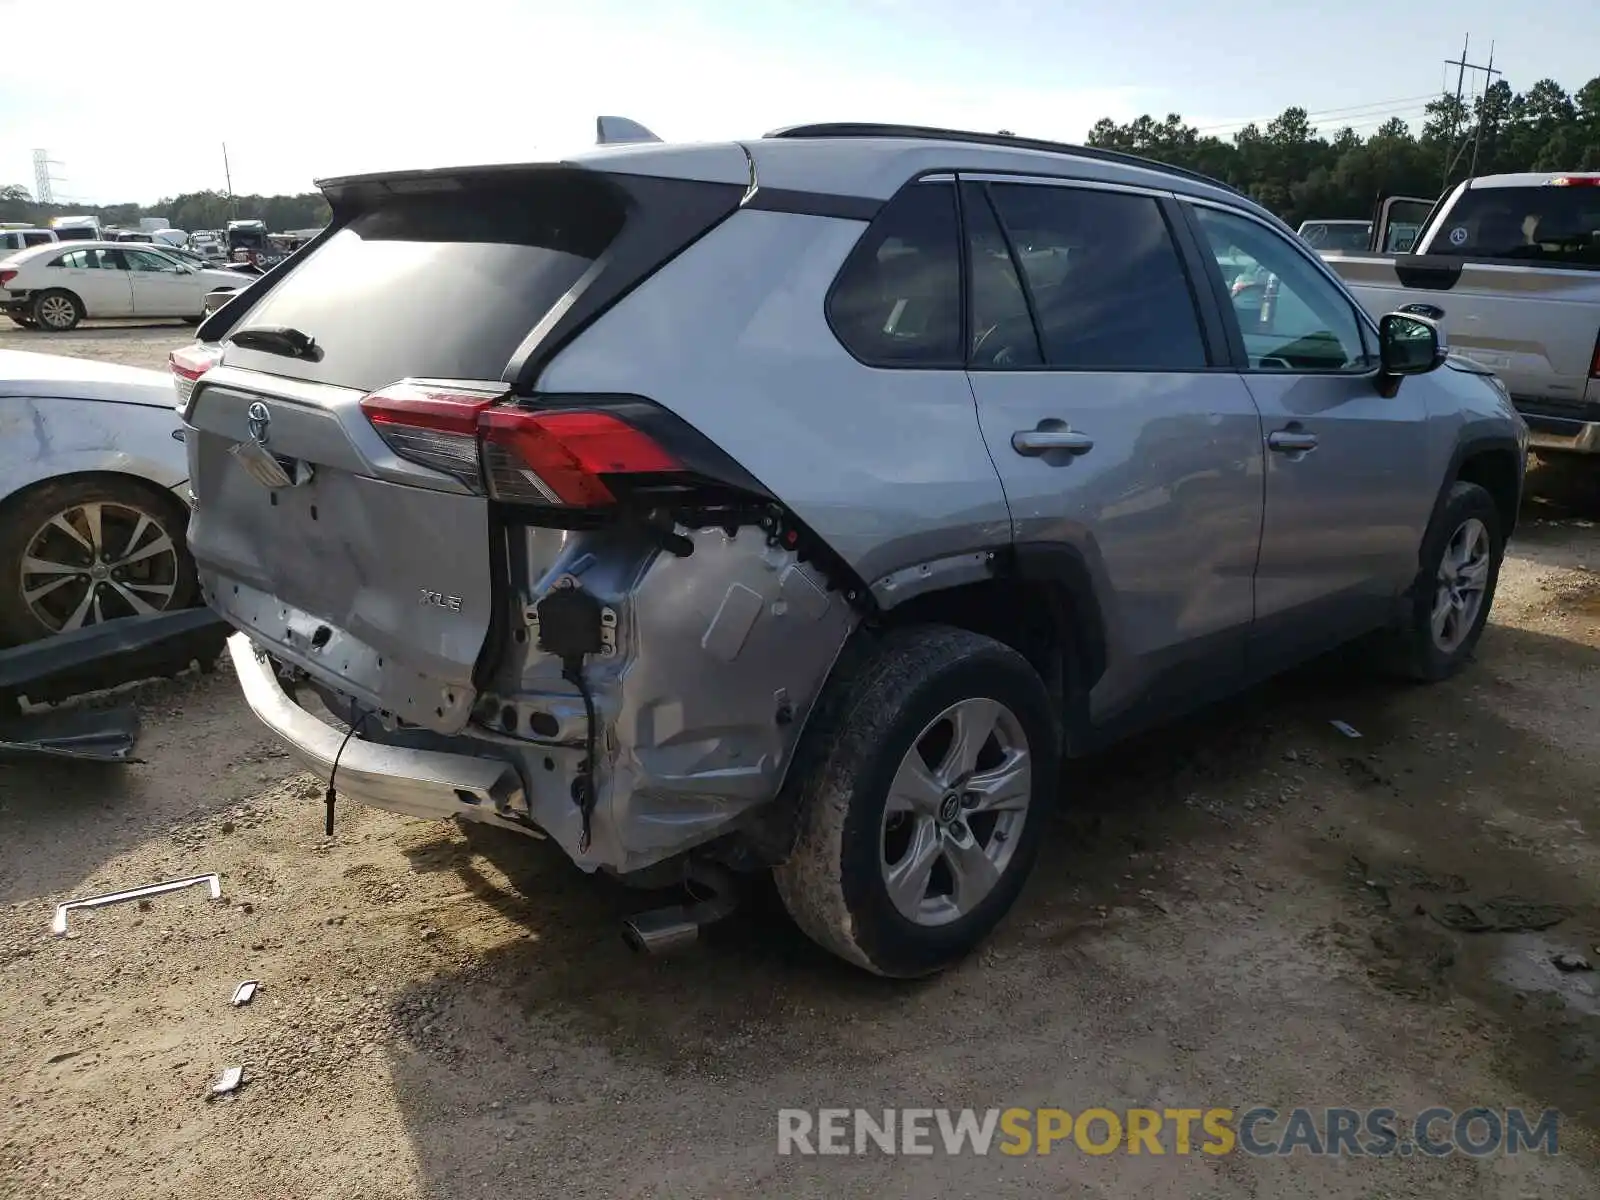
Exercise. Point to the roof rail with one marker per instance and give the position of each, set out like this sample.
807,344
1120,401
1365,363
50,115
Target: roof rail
867,129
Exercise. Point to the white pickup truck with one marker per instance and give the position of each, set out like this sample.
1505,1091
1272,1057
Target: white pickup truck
1509,266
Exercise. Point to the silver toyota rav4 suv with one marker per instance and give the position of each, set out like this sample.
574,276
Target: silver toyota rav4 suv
798,504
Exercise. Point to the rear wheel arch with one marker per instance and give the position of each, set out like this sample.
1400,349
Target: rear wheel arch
1041,602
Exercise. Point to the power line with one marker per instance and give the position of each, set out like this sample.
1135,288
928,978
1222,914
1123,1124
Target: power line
1322,114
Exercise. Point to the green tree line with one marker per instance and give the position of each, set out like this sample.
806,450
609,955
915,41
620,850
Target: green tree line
193,210
1292,169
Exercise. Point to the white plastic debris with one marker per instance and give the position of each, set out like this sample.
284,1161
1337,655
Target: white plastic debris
1350,731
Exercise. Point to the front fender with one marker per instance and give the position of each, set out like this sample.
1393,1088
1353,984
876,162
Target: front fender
44,438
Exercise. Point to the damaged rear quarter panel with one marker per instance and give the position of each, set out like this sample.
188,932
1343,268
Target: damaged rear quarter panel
719,657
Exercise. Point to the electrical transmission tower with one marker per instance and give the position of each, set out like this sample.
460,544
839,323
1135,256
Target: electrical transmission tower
43,180
1462,67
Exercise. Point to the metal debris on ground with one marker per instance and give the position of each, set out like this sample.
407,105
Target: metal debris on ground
228,1081
245,993
59,925
88,735
1350,731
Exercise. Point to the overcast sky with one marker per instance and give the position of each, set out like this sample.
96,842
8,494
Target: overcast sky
339,86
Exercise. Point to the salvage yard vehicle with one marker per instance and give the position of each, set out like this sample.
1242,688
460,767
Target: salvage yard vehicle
1336,235
93,496
54,287
798,504
1510,266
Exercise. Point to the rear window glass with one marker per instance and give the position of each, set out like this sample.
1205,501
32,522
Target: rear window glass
442,285
897,302
1540,224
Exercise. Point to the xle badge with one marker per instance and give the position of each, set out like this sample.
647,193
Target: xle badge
440,600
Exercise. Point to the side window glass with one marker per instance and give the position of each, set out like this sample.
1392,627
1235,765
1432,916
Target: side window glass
1291,316
77,260
1003,333
1107,285
897,301
138,260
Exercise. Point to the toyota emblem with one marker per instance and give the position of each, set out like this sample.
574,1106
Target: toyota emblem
260,421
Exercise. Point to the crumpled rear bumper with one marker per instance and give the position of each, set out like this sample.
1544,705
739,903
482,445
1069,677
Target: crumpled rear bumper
417,783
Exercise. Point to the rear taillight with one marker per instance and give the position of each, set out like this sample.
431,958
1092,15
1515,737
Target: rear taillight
563,457
188,363
1576,181
6,277
542,456
435,425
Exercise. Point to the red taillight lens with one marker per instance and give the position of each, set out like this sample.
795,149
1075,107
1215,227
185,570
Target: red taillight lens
560,457
435,425
1576,181
188,363
6,277
520,455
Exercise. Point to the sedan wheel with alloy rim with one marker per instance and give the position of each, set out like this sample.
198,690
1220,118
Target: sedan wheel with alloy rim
955,811
57,311
98,561
1463,580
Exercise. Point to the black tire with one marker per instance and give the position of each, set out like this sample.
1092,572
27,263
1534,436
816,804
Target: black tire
24,322
1414,653
25,516
57,311
866,722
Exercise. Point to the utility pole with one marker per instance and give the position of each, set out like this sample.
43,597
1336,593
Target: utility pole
227,175
1477,126
1462,67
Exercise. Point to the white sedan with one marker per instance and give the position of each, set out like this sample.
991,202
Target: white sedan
55,286
93,495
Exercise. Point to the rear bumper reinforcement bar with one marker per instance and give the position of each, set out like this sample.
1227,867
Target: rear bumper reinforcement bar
418,783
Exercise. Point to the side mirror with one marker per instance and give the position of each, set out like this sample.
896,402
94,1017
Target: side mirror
1409,345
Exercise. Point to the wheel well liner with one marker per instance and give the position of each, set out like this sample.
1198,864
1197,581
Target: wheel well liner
1494,468
155,490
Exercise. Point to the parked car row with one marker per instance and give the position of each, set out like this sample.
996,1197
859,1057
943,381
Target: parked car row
54,286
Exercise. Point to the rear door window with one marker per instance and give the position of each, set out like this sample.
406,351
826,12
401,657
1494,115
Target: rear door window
897,301
439,285
1107,285
1548,224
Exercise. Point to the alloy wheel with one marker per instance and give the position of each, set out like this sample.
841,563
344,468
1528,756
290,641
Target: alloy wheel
1462,583
98,561
955,811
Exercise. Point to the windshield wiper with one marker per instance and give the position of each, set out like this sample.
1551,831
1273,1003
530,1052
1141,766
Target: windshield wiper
279,339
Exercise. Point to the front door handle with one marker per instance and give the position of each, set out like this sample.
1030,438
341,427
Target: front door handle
1291,441
1033,442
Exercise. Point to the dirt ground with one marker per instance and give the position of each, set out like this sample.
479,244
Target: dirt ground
1249,908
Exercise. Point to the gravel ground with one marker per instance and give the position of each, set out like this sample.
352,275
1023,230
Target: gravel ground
1248,908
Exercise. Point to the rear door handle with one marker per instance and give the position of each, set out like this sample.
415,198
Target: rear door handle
1033,442
1289,441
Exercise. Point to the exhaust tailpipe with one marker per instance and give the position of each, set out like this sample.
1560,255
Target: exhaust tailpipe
664,930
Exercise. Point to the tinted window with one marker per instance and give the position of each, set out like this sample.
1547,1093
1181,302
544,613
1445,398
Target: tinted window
897,300
1106,282
1003,333
442,285
1292,317
88,260
141,260
1337,235
36,239
1545,224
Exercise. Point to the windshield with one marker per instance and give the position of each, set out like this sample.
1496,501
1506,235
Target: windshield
1337,235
